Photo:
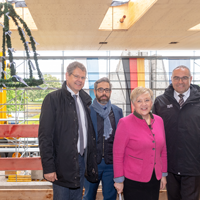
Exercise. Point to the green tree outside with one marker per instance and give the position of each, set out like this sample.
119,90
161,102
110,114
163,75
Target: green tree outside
39,94
14,97
18,97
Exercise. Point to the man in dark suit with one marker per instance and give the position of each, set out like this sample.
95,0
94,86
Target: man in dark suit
179,107
67,138
105,118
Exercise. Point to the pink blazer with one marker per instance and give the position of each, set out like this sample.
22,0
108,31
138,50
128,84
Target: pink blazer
137,150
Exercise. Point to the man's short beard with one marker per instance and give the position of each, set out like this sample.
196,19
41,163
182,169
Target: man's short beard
104,101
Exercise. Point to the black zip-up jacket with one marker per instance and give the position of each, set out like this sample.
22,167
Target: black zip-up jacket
182,128
105,147
58,136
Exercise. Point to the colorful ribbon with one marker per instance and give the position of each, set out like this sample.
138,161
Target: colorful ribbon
34,40
7,15
27,45
8,33
20,80
22,32
13,63
42,88
30,62
11,49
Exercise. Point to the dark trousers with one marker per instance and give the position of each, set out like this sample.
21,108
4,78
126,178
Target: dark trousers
63,193
105,173
183,187
134,190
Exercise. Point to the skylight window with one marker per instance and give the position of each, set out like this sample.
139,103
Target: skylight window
118,2
18,3
23,11
195,28
131,10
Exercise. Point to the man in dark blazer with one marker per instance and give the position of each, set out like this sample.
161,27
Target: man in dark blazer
67,138
105,117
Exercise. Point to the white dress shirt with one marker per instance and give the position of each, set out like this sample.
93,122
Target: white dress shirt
186,95
81,109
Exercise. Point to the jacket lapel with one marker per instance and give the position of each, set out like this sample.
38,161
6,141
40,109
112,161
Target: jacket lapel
116,114
93,115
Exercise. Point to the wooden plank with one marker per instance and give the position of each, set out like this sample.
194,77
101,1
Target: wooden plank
33,163
44,194
16,130
24,194
162,195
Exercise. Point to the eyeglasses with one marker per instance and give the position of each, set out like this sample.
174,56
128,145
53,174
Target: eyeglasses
101,90
79,77
177,78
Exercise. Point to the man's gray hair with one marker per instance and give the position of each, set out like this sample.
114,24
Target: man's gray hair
182,66
72,66
104,79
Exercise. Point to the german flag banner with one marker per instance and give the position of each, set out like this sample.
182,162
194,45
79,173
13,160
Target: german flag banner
134,72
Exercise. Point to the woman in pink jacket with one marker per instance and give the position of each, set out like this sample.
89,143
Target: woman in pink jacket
139,151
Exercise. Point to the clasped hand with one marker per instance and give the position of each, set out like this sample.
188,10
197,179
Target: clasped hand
51,176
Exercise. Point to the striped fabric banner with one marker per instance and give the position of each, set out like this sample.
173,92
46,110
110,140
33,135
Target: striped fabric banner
141,72
93,74
134,73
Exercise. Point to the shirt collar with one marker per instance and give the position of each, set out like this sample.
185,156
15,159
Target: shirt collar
186,94
140,116
72,93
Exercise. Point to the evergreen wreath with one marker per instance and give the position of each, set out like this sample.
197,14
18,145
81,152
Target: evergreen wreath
8,11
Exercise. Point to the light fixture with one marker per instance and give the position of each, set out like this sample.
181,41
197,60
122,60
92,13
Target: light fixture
103,42
173,42
122,19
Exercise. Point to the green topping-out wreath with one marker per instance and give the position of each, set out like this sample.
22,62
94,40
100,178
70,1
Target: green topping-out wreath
9,13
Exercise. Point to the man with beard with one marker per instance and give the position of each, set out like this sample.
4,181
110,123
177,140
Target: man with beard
105,117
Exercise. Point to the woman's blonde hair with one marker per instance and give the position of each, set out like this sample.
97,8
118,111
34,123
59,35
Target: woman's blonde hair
138,91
